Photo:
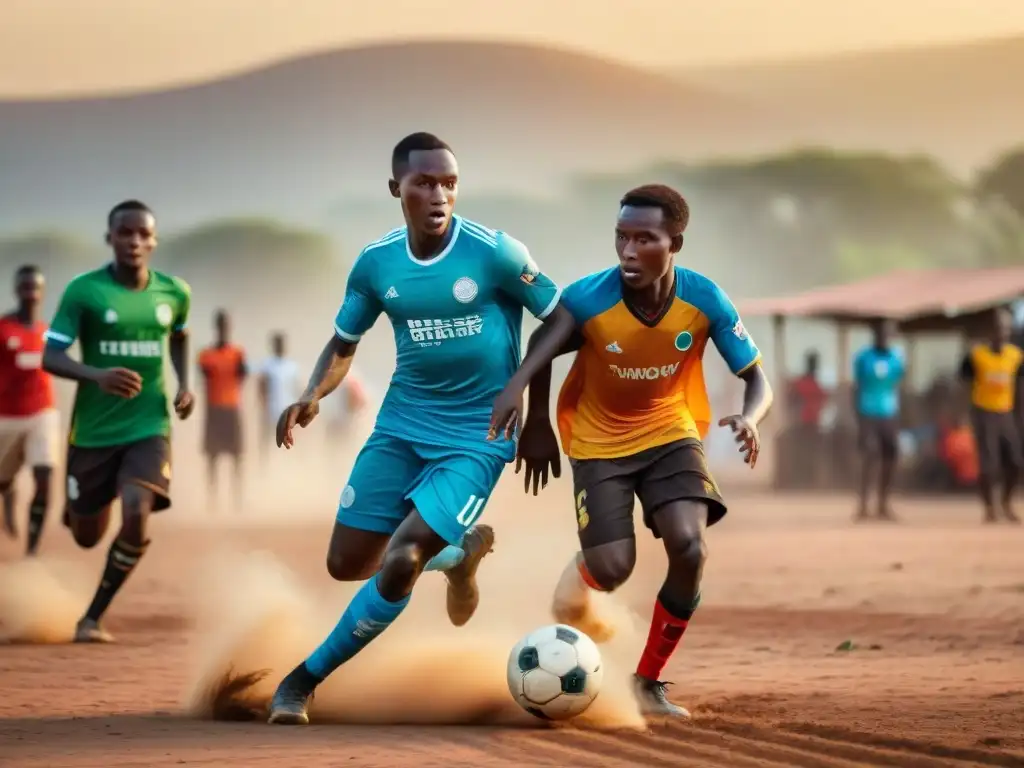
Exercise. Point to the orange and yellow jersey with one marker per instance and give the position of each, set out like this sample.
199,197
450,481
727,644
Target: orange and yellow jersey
636,383
993,375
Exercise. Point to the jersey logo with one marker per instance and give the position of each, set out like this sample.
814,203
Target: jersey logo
431,333
13,342
739,331
391,293
465,290
110,317
348,497
529,273
614,347
164,314
645,374
684,341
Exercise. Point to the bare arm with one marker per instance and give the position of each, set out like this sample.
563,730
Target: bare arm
331,368
179,345
59,363
539,396
545,345
757,396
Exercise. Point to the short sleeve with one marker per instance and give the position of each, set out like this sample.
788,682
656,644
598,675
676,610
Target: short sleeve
573,299
728,333
66,325
361,306
519,278
184,306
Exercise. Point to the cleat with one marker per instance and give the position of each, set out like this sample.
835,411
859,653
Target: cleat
290,705
463,593
584,618
89,631
653,701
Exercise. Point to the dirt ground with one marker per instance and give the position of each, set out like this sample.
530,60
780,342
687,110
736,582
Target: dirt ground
933,608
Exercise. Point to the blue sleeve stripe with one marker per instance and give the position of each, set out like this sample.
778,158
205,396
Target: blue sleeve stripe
551,305
345,336
180,327
58,339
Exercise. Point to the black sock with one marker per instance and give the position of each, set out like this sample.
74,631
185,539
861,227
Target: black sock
121,561
36,519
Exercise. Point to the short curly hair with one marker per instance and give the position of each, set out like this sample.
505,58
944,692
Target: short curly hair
671,203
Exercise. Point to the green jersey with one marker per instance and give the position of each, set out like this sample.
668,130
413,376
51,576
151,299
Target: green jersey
117,327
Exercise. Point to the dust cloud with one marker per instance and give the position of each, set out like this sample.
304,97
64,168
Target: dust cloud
255,621
38,603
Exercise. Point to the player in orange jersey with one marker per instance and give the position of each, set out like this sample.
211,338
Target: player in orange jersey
224,370
632,414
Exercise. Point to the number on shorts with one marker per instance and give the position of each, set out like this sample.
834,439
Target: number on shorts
72,488
470,512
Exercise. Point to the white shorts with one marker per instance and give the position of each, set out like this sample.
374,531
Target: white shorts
33,440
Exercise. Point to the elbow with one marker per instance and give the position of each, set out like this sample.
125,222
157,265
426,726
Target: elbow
51,357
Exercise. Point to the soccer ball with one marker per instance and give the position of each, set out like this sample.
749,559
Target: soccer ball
555,672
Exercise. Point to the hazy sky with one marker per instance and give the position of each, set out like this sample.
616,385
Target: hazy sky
62,46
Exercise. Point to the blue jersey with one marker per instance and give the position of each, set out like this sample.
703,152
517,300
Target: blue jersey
878,374
457,319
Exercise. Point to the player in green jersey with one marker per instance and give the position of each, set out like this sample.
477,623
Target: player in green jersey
121,315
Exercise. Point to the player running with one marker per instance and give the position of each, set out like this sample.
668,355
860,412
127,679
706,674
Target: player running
121,315
454,292
224,370
29,423
632,414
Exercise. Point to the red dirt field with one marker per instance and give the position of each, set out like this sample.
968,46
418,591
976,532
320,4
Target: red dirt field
934,608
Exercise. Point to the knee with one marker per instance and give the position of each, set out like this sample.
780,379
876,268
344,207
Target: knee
611,568
342,567
402,566
135,505
687,553
85,538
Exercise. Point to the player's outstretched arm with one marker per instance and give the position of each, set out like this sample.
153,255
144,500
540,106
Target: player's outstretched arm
546,344
330,370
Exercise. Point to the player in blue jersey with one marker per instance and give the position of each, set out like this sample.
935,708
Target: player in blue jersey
878,372
454,292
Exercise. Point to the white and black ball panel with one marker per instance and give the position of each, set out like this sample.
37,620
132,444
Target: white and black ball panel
555,672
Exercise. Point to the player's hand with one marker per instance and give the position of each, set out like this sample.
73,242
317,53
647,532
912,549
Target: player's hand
299,414
121,382
508,405
184,402
747,436
539,452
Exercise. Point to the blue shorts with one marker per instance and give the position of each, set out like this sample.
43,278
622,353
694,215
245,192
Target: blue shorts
448,486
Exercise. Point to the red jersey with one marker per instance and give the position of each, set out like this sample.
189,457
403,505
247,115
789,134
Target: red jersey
25,388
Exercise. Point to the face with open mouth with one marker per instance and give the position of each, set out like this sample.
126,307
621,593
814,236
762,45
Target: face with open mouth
644,245
428,190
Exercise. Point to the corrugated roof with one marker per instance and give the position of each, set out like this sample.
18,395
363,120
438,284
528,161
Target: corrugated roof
900,295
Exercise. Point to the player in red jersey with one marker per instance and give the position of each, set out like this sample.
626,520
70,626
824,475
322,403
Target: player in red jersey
29,425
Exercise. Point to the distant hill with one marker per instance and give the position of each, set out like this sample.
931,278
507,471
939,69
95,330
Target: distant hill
961,103
296,136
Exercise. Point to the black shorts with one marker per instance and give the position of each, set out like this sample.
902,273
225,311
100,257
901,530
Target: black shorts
998,438
878,437
222,432
604,489
96,476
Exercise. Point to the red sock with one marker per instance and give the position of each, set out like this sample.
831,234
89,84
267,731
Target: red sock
581,566
665,634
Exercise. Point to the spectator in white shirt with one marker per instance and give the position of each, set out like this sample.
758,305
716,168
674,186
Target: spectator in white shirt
279,387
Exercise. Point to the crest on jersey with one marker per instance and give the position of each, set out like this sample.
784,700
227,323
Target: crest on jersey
164,314
684,341
13,342
110,317
465,290
739,331
348,497
530,272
